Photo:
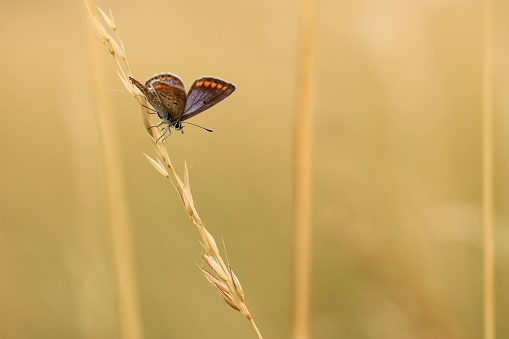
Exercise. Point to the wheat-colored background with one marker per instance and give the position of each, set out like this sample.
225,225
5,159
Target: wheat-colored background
397,168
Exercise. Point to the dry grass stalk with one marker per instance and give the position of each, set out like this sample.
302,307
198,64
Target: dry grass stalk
302,160
129,319
487,174
221,275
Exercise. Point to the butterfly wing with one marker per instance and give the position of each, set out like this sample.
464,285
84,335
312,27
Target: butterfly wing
152,99
170,91
205,93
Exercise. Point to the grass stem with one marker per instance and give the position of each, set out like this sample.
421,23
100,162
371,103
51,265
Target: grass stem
117,207
302,160
487,173
219,273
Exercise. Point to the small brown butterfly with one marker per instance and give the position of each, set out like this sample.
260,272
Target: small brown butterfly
167,94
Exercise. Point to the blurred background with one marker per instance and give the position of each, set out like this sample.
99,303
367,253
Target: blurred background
397,168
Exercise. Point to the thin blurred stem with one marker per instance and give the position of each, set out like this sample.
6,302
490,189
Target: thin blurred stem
488,176
116,202
302,160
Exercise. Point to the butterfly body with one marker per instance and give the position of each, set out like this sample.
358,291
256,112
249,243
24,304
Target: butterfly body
166,93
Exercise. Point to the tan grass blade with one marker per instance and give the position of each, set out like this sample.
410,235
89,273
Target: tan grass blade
302,160
488,176
128,306
222,277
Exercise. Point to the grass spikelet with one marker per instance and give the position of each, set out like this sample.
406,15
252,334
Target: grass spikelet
158,166
227,297
215,266
209,243
222,277
108,19
214,281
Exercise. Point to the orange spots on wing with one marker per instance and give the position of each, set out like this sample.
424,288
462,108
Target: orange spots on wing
199,83
207,83
219,86
162,86
214,84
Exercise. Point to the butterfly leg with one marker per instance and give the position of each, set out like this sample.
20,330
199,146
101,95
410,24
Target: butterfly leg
166,130
166,137
155,126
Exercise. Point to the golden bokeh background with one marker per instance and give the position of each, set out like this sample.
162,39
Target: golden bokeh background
397,209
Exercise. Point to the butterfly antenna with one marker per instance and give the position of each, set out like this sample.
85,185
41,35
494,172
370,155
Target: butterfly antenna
190,123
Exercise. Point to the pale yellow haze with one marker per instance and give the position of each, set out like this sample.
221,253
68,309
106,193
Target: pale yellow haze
397,190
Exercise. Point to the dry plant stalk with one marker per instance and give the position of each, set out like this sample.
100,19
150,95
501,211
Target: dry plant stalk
222,276
302,185
488,201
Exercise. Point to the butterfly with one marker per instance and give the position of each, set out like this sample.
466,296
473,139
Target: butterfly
167,94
